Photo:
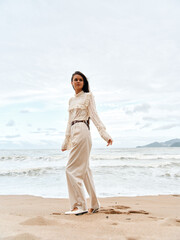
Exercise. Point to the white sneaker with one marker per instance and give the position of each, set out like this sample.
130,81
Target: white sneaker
79,211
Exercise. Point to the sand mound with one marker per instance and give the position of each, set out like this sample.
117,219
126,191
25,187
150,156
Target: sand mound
39,221
23,236
170,222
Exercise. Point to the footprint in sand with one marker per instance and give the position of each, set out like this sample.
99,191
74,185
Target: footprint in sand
120,207
110,211
114,223
39,221
155,218
115,210
23,236
170,222
132,238
138,212
56,213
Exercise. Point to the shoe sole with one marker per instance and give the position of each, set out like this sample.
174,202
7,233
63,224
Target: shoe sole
81,213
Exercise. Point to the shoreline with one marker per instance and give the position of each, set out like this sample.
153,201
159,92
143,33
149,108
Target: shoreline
28,217
65,198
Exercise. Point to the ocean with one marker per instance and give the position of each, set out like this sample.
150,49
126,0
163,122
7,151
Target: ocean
116,172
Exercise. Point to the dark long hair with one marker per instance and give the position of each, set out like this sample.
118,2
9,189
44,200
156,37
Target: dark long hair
85,80
85,86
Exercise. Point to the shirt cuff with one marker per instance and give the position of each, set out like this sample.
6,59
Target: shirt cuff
67,143
105,135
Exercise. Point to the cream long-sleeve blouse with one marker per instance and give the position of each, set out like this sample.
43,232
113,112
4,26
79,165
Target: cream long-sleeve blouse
81,107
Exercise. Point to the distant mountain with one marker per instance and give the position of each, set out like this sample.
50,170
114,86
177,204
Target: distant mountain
177,144
170,143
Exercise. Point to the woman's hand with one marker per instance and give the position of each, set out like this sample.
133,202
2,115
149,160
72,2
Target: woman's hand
110,141
63,149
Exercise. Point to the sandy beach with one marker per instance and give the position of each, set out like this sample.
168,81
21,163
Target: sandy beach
25,217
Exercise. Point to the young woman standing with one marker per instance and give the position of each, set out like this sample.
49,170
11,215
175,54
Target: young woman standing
78,140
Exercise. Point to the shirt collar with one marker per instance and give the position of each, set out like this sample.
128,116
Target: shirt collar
78,94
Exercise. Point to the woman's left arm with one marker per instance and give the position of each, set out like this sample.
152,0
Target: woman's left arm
96,120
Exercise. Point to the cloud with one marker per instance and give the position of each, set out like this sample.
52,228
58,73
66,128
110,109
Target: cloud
154,119
31,110
13,136
166,127
48,132
145,126
24,111
137,108
10,123
142,108
51,129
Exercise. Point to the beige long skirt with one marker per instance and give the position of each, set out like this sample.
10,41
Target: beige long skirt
78,170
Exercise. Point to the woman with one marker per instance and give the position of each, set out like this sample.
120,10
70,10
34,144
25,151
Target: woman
78,140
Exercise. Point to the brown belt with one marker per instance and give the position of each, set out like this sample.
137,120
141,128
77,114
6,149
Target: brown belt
75,121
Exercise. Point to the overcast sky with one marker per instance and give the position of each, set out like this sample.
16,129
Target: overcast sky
129,51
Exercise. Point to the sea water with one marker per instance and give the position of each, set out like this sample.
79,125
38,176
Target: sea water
116,172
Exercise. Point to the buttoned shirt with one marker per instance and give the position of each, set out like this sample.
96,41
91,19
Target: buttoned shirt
81,107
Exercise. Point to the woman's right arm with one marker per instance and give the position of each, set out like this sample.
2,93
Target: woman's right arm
65,144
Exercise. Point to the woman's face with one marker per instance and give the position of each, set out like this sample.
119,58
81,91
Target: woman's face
77,82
